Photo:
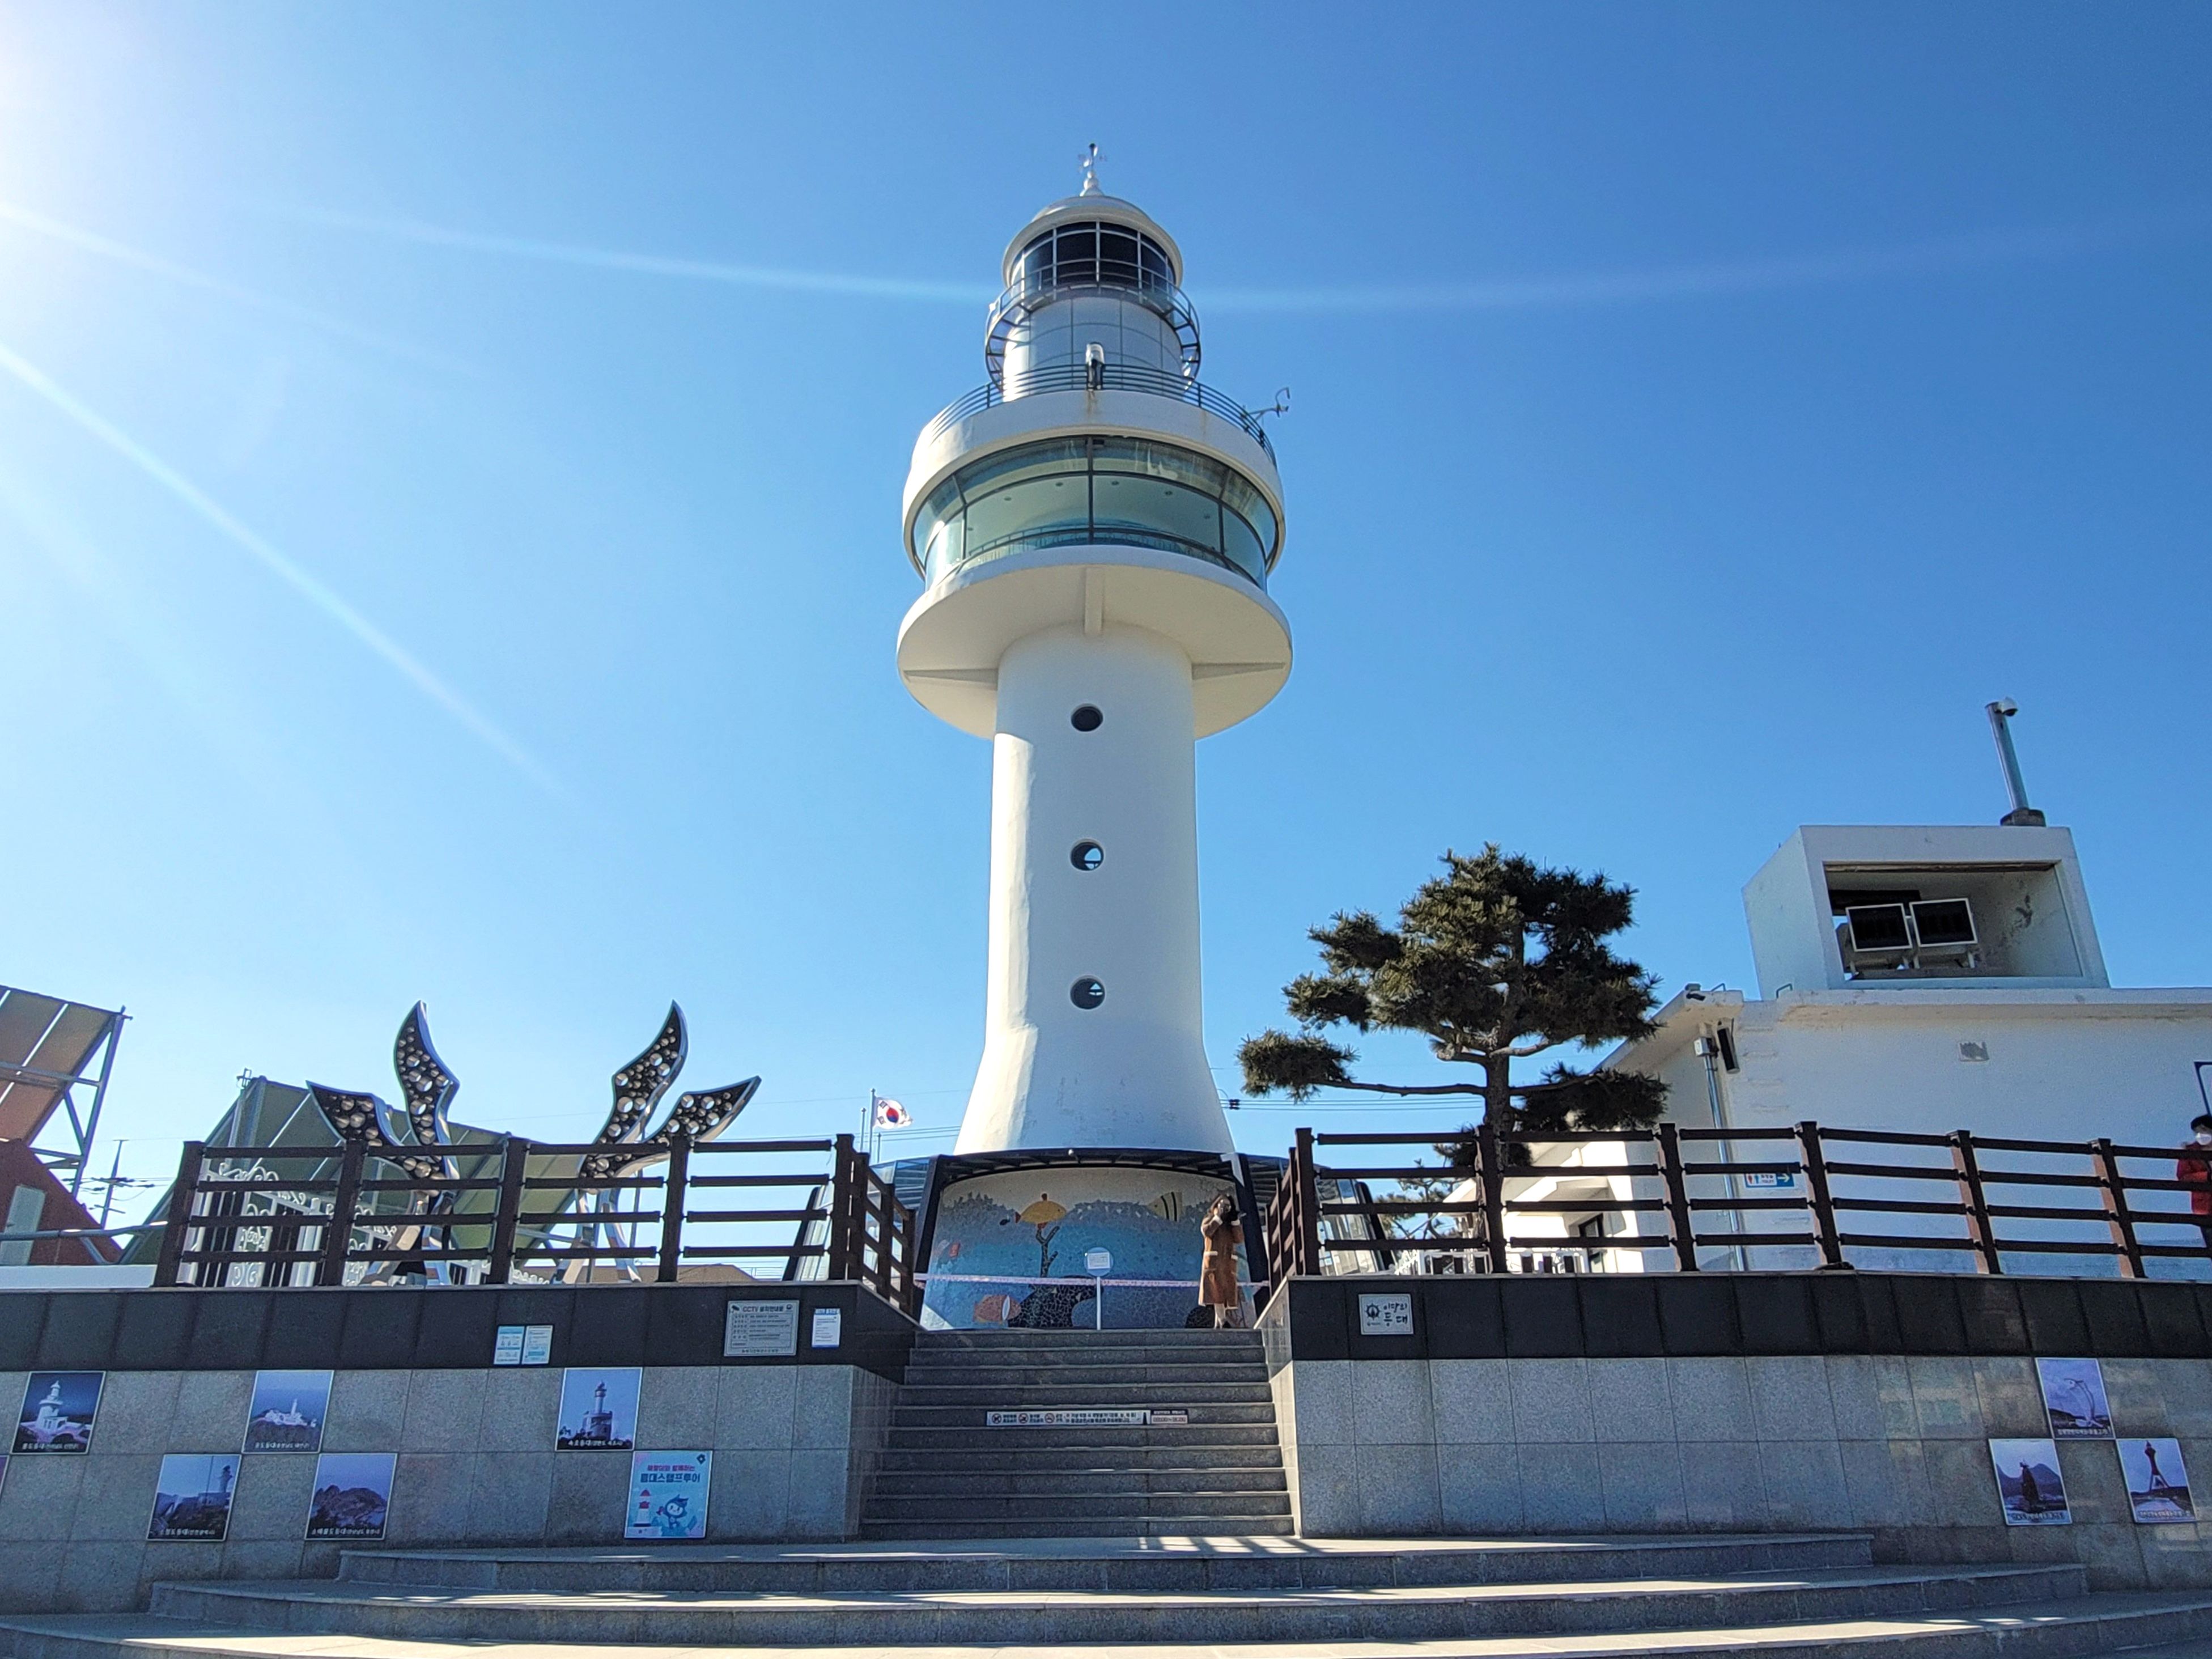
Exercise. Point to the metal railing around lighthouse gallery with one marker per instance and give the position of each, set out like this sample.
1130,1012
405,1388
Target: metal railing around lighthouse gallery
244,1221
1101,377
1803,1195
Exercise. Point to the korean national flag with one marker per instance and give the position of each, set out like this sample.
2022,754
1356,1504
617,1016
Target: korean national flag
890,1115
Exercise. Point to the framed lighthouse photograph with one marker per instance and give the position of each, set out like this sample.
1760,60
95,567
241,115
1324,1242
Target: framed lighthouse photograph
2029,1486
599,1410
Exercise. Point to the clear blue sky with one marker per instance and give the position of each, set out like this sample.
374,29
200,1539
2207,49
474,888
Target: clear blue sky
1700,410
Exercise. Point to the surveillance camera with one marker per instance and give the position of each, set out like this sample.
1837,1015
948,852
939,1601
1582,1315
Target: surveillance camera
2006,706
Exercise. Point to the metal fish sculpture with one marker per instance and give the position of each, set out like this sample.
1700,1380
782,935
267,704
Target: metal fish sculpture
428,1089
638,1088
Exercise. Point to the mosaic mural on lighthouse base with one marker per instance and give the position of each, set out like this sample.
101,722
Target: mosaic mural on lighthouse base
1019,1249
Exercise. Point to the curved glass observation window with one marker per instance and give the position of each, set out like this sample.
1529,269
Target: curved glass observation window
1130,492
1093,255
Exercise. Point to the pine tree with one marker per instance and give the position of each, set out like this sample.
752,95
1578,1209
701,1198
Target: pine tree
1496,960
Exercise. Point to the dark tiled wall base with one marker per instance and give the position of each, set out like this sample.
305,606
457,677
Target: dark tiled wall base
1655,1315
447,1329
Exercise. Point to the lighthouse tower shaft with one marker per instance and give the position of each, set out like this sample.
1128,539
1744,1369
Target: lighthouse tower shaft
1096,528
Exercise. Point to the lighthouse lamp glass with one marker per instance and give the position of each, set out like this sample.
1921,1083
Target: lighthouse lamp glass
1066,492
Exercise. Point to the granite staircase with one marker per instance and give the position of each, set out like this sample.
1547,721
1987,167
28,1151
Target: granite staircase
1776,1597
1084,1434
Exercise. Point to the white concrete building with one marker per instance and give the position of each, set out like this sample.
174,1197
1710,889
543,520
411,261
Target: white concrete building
1919,980
2018,1032
1096,529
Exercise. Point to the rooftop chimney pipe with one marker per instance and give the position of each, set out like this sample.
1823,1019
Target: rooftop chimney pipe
2001,712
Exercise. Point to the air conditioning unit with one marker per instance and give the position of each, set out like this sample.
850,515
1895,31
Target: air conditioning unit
1925,933
1943,930
1876,936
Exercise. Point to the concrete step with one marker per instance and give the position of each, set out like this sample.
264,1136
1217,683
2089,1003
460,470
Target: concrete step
1249,1413
1163,1524
2066,1629
1104,1513
1203,1561
998,1457
1072,1341
971,1483
405,1613
961,1370
968,1436
995,1395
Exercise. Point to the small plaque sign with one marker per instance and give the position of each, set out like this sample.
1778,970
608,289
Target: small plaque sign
523,1345
760,1330
1104,1417
1386,1314
829,1328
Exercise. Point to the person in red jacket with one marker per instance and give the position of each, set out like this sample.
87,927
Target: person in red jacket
2194,1167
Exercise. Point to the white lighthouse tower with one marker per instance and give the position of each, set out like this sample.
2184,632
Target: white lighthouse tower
1094,528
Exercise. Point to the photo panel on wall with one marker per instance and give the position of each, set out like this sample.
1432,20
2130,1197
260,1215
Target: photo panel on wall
2157,1482
352,1496
2028,1483
599,1409
2073,1399
287,1411
58,1412
192,1500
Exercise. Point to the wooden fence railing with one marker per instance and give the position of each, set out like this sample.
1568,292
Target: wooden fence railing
1699,1198
527,1209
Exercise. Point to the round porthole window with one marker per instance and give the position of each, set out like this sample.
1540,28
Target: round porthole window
1086,993
1087,719
1087,855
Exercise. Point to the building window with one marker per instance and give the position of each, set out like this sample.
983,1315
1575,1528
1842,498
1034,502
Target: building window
1094,255
1067,492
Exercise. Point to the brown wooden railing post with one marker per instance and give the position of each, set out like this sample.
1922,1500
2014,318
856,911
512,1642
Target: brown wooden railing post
843,1195
1979,1228
1681,1230
883,1205
671,1207
178,1221
514,1160
338,1232
1490,1169
2112,1187
1814,1162
1306,1217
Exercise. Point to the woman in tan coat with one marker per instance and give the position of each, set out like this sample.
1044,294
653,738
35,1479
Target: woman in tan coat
1217,1270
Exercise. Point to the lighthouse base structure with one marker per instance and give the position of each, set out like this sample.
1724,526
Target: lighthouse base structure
1079,1239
